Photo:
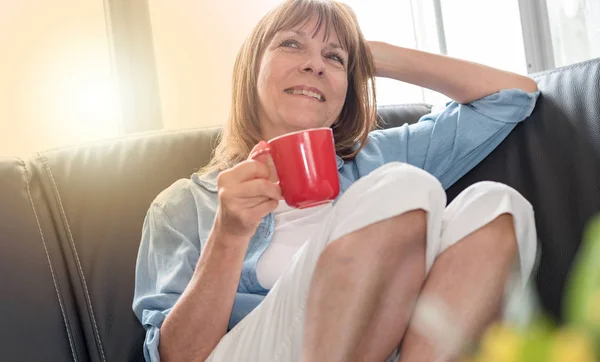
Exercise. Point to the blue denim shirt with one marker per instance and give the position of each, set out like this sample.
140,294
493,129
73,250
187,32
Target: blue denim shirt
447,144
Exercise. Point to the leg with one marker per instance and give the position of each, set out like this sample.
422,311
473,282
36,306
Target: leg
274,331
365,284
470,276
373,273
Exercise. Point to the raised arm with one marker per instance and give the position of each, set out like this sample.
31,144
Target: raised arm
461,80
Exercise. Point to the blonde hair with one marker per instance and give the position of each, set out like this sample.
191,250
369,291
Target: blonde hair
358,115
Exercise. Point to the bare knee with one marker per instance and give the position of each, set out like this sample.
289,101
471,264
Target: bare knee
384,242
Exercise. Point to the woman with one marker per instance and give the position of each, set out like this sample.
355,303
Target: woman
227,272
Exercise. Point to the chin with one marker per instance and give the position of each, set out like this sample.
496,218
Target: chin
307,125
306,122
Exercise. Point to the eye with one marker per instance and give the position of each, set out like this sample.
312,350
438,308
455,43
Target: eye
336,57
290,43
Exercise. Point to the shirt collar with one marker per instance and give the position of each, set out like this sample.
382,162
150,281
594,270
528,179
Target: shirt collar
209,180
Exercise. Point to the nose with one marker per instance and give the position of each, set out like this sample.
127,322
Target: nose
314,64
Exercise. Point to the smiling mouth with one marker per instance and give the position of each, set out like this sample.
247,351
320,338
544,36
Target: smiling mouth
305,93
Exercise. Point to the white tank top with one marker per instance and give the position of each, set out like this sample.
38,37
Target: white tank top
293,227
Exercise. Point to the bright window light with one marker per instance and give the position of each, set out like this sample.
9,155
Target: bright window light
58,84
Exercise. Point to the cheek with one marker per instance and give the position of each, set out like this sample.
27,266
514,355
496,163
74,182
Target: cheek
341,89
264,88
261,83
268,80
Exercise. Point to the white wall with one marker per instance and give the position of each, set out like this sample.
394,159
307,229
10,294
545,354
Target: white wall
55,74
196,43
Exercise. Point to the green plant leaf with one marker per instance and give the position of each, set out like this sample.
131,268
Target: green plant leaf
582,297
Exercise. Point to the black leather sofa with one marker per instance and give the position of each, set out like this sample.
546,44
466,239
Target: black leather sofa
70,219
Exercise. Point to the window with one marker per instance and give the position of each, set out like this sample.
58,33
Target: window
392,22
486,32
483,31
57,78
575,30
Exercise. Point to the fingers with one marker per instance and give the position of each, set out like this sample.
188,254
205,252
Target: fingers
272,170
260,187
243,171
252,202
257,149
264,157
250,193
265,207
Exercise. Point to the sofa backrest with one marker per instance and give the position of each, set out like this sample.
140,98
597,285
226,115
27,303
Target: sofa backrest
37,314
99,195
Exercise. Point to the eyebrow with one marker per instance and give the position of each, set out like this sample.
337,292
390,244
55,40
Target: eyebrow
331,45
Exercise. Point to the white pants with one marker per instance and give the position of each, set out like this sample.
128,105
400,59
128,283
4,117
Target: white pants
273,332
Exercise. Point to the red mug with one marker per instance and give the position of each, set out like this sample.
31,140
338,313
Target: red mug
306,166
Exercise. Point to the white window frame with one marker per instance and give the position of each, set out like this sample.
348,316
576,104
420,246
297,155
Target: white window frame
536,35
439,24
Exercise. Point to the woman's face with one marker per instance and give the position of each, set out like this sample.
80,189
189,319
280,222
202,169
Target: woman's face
302,80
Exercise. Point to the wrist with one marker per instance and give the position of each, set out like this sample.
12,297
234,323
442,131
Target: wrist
389,59
227,235
221,250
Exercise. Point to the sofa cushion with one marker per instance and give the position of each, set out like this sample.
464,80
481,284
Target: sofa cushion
99,195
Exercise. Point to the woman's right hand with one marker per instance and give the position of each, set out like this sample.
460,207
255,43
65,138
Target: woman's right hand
246,195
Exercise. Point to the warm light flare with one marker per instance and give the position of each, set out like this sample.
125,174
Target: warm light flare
58,84
80,90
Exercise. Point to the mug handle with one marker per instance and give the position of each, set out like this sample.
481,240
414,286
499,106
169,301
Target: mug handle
261,152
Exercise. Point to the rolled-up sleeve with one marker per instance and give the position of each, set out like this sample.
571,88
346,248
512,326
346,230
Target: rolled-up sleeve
449,143
165,265
166,261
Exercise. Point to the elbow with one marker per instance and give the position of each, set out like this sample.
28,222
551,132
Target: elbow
527,84
514,81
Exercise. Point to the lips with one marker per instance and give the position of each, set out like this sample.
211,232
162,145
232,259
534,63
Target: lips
307,91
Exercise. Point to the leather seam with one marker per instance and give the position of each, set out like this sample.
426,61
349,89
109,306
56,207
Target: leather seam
56,288
563,69
74,250
405,105
135,137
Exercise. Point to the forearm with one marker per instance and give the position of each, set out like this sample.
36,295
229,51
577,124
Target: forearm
461,80
200,317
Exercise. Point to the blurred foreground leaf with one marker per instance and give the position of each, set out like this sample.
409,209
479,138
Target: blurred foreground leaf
582,297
